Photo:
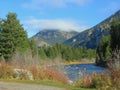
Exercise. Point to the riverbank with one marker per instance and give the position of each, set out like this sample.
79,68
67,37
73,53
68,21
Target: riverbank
84,61
41,74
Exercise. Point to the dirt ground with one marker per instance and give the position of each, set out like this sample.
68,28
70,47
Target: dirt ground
21,86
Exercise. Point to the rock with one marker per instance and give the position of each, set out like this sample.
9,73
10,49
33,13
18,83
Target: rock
22,74
70,82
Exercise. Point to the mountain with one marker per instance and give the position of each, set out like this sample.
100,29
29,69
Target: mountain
90,38
51,37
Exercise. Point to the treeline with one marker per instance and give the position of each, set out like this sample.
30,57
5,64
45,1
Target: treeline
68,53
13,39
109,46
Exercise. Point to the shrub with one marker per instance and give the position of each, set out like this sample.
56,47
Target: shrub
38,72
102,82
114,68
115,77
85,82
111,81
56,75
6,70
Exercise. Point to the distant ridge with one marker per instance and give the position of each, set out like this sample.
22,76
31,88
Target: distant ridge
51,37
91,37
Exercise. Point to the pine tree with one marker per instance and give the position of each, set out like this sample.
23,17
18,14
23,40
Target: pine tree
103,51
115,35
42,53
33,48
1,21
13,37
6,41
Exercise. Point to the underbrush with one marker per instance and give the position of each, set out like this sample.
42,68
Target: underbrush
101,81
47,75
110,81
41,74
45,72
8,71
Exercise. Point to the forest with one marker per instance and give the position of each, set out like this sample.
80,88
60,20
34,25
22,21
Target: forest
109,47
13,39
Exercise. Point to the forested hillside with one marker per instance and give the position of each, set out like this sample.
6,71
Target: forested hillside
90,38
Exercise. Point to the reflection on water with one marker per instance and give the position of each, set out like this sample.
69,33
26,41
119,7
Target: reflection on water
76,72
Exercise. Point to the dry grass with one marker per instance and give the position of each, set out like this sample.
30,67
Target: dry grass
110,81
47,70
39,73
114,68
56,75
6,70
95,81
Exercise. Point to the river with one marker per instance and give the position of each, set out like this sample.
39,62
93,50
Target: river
78,71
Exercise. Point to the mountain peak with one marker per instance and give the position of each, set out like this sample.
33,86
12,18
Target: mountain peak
53,36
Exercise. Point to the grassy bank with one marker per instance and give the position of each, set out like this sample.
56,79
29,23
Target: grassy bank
80,62
48,83
41,75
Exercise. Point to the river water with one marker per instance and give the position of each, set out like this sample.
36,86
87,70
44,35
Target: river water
78,71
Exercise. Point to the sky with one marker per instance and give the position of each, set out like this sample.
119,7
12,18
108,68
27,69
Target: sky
67,15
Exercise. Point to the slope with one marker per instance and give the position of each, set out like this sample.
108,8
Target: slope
90,38
51,37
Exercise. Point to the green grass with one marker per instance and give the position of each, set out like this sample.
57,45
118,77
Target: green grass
49,83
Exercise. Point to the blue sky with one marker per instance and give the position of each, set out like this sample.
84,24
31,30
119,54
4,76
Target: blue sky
36,15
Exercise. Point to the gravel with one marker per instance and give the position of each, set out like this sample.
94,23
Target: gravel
21,86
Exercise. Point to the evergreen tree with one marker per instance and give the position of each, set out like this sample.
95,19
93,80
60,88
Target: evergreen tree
13,37
42,53
77,54
6,41
115,35
58,49
52,53
80,52
33,48
109,44
103,51
84,52
68,53
1,21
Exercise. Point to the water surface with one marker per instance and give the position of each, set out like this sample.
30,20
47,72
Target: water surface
78,71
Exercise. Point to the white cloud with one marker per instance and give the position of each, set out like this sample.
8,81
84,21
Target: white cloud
38,4
65,25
